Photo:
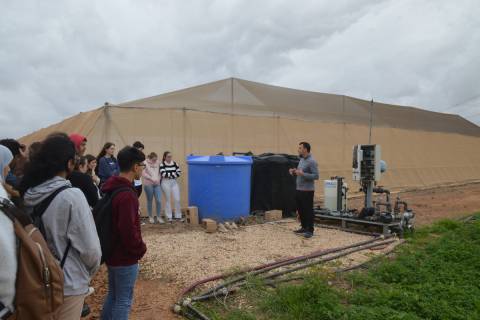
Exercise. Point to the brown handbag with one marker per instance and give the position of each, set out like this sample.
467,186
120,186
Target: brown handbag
39,283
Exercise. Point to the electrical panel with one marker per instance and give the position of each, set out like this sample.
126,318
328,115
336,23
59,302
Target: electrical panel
366,162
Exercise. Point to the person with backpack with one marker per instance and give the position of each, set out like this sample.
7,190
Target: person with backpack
125,245
107,163
63,215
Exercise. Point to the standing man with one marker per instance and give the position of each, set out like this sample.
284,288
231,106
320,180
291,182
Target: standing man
306,173
128,246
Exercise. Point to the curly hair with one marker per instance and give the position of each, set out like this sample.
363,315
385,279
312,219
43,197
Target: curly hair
52,158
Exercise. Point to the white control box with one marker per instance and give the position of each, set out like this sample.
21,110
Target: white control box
331,193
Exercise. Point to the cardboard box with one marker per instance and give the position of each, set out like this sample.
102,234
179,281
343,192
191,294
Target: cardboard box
273,215
209,225
191,215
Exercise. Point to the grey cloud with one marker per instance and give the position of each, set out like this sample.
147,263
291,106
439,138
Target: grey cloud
58,58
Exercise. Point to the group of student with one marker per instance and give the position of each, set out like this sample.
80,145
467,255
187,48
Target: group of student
55,183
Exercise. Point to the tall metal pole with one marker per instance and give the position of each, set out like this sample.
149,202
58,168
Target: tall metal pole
232,119
371,120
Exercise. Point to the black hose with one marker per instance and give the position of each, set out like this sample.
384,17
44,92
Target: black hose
196,312
336,256
360,265
294,260
273,283
354,248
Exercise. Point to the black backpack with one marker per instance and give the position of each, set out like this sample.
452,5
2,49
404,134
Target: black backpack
102,213
37,214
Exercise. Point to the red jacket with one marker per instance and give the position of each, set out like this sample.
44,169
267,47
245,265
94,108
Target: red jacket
127,237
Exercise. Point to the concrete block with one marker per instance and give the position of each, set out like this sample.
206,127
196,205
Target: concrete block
273,215
209,225
191,215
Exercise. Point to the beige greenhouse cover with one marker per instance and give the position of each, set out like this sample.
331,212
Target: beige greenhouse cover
422,148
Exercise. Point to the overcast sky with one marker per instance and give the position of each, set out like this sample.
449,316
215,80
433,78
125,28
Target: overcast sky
58,58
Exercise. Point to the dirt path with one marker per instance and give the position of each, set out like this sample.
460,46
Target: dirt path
153,298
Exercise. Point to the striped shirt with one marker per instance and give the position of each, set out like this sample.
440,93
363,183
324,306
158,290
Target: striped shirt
170,170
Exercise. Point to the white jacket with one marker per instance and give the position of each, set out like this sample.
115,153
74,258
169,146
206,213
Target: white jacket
8,258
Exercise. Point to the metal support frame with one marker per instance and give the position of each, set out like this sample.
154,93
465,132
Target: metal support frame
346,221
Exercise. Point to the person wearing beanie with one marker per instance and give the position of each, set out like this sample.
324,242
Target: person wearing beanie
80,143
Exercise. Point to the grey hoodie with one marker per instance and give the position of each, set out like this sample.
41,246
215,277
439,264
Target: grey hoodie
68,217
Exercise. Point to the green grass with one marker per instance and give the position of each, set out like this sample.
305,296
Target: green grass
435,275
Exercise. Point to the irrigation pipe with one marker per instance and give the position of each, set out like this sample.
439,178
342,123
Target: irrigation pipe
266,268
193,313
359,265
226,275
330,258
196,313
214,291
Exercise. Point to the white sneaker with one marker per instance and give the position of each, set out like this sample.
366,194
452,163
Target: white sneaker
160,220
151,220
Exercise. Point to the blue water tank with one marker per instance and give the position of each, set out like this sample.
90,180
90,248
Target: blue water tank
220,186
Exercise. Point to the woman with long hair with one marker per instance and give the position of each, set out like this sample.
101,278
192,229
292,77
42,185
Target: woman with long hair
170,172
68,222
92,167
107,163
82,180
151,184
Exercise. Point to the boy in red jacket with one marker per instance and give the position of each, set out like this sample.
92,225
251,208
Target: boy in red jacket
129,247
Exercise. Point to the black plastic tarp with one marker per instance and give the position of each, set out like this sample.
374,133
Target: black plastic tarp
273,188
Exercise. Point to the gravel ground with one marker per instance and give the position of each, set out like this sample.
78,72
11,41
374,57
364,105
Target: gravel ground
189,256
183,252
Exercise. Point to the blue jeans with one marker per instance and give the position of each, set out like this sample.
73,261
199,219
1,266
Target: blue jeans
121,281
151,192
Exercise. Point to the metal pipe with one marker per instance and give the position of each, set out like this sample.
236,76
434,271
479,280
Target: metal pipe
326,226
396,208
